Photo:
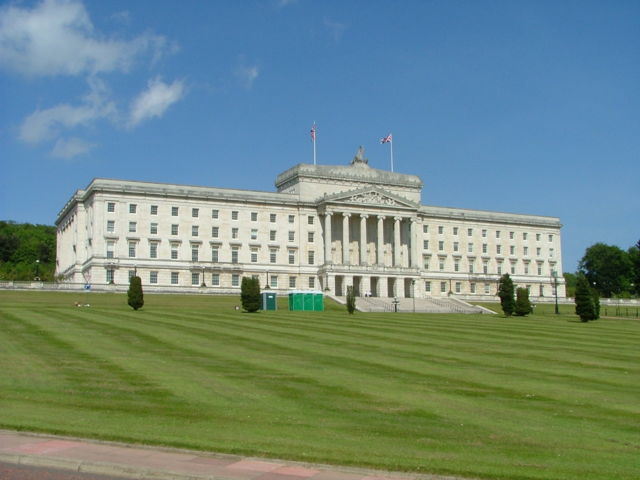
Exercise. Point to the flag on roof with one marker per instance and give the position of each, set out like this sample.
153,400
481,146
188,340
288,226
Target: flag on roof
387,139
313,132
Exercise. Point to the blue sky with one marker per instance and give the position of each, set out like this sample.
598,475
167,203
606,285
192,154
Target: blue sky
517,106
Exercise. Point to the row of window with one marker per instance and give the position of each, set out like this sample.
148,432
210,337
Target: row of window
485,248
198,279
487,288
485,233
215,213
215,253
471,264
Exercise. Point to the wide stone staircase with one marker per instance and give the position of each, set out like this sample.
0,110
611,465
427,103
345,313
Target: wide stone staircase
406,305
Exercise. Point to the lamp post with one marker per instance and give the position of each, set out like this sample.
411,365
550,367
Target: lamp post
554,275
37,270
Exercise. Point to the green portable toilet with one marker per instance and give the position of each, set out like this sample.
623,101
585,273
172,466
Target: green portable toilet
269,301
296,300
318,301
306,300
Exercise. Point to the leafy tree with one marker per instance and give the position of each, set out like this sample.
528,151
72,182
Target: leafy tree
351,300
250,294
523,305
585,306
21,245
570,283
505,292
135,297
607,267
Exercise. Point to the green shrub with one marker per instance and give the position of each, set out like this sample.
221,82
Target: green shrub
523,305
505,292
135,297
250,294
351,300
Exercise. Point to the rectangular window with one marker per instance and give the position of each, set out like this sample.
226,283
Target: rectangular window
274,281
194,230
551,253
215,213
174,211
234,233
511,235
195,212
499,269
537,237
310,220
472,288
272,255
133,226
425,228
110,276
524,235
292,257
234,214
153,277
470,247
111,226
312,282
254,255
497,233
292,235
455,230
153,229
487,288
153,250
440,229
235,280
542,290
254,234
469,232
292,282
539,269
458,287
426,260
441,245
538,251
132,273
174,251
254,216
427,287
512,250
485,268
272,217
441,264
194,253
425,244
234,255
154,211
215,279
312,257
292,218
470,265
456,246
310,237
526,251
111,207
484,248
214,254
550,238
498,249
513,269
110,247
526,269
443,287
132,250
133,207
195,278
456,266
215,231
484,233
174,278
174,229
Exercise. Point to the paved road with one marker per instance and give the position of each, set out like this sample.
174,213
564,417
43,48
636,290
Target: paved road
22,472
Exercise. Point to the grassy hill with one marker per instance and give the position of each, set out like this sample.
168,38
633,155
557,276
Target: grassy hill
542,397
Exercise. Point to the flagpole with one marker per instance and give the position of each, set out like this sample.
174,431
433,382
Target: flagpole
313,137
391,142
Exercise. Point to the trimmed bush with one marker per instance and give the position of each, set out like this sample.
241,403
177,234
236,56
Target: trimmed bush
351,300
505,292
250,294
523,305
135,297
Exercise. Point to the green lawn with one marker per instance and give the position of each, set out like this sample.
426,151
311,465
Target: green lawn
543,397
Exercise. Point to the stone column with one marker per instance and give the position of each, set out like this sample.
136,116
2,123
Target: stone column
414,243
327,237
345,238
396,242
363,239
380,241
382,287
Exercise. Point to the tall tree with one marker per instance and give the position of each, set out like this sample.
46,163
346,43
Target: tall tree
607,268
250,294
505,292
523,305
570,283
585,306
135,297
351,300
634,257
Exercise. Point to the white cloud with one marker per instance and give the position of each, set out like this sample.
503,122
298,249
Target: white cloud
155,100
68,149
57,37
47,124
246,74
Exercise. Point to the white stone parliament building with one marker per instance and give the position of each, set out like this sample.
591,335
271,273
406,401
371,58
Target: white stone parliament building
325,228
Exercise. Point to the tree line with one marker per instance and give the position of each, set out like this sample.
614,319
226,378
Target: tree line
27,251
611,271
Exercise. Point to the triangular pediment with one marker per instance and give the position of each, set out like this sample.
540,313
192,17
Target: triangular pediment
370,196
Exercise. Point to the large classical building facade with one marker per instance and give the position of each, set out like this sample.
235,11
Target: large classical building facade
327,227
